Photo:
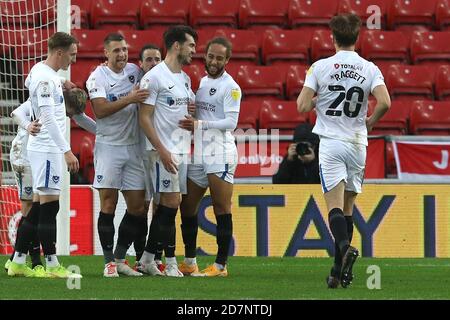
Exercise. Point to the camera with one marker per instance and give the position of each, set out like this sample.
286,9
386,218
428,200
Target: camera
302,148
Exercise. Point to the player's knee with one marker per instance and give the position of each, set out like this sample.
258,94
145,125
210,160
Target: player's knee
108,206
221,208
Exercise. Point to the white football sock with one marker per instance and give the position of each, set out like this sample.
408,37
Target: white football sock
190,261
20,258
147,257
51,260
171,260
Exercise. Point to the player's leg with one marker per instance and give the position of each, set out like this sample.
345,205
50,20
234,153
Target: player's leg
189,221
333,174
107,180
356,166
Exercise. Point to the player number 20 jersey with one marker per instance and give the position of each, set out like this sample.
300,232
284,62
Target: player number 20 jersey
343,84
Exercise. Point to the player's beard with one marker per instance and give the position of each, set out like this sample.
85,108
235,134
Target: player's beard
184,60
217,73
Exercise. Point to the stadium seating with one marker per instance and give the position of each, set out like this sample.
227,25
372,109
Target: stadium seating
281,115
196,73
430,118
430,47
86,156
410,82
359,7
410,15
136,39
214,13
307,13
81,70
261,82
385,46
395,121
13,12
245,44
443,83
257,13
285,47
249,114
443,14
90,43
157,13
322,45
85,7
121,14
295,79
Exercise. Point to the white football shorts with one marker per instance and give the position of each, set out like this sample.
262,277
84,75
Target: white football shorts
46,169
118,167
341,160
164,181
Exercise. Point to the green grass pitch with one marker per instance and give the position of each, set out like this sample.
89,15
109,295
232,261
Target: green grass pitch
249,278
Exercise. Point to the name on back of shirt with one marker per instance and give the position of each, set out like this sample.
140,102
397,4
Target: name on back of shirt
348,74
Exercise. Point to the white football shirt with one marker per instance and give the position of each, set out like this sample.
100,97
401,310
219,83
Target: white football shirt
45,89
170,93
214,97
343,84
120,128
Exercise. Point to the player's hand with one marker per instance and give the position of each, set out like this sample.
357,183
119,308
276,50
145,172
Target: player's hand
138,95
189,123
69,85
191,109
168,162
34,127
72,162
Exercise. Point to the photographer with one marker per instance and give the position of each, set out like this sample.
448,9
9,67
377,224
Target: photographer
301,165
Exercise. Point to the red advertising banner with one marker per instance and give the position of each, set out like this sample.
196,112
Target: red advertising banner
419,160
262,159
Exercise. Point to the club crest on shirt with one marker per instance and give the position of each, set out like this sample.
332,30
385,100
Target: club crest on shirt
186,85
55,179
166,183
131,78
170,101
28,190
212,91
99,178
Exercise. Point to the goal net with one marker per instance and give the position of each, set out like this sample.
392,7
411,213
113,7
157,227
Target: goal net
25,26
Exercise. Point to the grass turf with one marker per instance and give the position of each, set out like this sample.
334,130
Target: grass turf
249,278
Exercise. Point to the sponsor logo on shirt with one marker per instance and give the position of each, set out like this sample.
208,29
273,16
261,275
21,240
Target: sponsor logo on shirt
170,101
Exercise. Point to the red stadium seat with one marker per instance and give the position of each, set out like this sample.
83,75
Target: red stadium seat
307,13
443,14
322,45
295,79
385,46
84,7
218,13
281,115
410,82
395,121
411,15
249,114
359,7
430,118
167,12
90,43
136,39
22,13
443,83
285,46
196,73
261,81
430,47
245,44
254,13
115,12
80,71
87,157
